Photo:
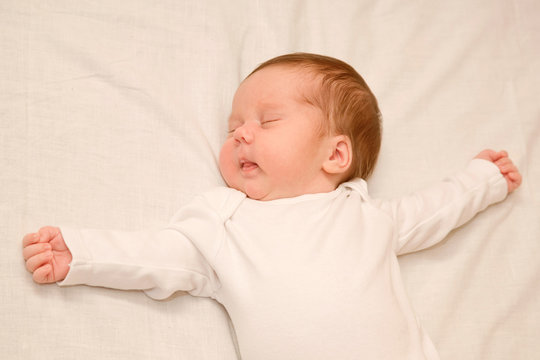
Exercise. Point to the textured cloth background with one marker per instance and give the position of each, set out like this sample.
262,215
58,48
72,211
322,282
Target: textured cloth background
112,114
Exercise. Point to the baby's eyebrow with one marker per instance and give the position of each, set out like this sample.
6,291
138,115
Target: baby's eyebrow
277,107
270,105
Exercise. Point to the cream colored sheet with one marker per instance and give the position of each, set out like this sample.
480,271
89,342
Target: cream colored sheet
112,114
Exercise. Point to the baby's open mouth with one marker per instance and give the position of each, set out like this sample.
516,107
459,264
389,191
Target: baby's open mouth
248,165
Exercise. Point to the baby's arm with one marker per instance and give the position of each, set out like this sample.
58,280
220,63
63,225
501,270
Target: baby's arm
427,216
506,166
178,257
46,255
159,262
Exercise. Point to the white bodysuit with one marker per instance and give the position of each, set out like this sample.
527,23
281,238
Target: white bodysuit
310,277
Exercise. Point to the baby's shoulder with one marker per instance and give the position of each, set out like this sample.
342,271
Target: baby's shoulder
358,186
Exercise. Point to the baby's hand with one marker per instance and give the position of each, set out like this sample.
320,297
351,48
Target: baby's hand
46,255
505,165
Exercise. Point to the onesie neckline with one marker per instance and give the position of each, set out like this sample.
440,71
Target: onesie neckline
357,184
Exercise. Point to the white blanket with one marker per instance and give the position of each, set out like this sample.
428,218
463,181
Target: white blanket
112,114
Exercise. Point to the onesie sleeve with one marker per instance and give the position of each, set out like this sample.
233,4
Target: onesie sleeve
424,218
175,258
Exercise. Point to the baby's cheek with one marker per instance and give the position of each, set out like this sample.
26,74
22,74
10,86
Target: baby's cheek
226,163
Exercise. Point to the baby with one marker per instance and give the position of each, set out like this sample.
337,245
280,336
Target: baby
304,261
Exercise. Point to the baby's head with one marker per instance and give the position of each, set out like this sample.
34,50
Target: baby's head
300,123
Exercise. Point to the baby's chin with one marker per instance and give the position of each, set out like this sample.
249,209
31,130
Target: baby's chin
260,193
257,194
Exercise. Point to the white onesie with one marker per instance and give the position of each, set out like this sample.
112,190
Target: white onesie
310,277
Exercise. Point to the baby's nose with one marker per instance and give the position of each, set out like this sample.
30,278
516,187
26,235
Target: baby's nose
244,133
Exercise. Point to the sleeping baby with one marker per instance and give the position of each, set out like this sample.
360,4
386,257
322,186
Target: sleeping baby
302,258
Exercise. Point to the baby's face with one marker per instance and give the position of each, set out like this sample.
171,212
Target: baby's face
274,148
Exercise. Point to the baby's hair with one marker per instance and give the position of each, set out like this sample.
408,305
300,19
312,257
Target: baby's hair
346,101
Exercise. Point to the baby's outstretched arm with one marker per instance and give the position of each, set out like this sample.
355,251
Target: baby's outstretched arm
505,165
46,255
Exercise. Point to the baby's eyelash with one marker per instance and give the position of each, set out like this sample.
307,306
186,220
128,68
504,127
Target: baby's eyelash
263,122
233,128
269,121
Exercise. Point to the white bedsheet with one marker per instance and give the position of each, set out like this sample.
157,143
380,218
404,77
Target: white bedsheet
112,114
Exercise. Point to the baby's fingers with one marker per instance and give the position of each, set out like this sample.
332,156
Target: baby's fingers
505,165
515,176
30,239
514,180
44,274
511,174
38,260
34,249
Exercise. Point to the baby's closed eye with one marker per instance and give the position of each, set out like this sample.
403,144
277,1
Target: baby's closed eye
269,122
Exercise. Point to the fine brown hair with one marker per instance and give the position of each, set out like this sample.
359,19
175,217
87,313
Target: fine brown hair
347,103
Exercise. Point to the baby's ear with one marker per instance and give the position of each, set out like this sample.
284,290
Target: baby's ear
339,160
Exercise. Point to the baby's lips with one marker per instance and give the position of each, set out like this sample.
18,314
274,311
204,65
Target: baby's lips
247,165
